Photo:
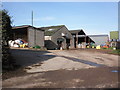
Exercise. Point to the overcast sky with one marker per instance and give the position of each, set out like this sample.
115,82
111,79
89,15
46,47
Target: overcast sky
92,17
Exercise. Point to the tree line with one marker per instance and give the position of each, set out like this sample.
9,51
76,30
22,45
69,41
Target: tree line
5,36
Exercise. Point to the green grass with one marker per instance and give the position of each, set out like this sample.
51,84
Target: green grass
110,48
115,52
104,48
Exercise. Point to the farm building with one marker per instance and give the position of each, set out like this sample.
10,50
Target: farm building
57,37
34,36
81,39
99,39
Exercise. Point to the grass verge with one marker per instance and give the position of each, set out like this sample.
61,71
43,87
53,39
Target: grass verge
115,52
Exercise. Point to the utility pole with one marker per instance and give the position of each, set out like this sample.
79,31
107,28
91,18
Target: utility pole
34,31
32,18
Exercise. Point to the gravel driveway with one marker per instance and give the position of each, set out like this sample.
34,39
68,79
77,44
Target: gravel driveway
70,59
67,68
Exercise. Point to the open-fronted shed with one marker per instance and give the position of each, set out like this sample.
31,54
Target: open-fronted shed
34,36
80,38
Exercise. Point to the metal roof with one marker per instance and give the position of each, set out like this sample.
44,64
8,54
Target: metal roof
97,35
25,26
50,30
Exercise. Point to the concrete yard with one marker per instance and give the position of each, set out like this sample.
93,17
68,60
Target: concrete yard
82,68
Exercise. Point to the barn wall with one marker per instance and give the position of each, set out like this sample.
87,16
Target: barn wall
35,37
31,37
40,38
58,35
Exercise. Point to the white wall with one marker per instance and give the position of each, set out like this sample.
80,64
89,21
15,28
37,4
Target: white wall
47,37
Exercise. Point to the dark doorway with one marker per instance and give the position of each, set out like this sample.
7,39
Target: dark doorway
67,43
59,42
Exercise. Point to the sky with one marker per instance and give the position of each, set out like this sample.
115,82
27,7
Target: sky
93,17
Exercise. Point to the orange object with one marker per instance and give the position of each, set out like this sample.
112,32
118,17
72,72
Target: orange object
105,46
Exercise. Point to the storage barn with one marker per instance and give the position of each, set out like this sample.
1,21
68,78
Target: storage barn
80,38
57,37
99,39
34,36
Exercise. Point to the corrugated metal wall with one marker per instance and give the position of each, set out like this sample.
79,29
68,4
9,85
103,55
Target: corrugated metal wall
35,37
39,38
99,39
31,37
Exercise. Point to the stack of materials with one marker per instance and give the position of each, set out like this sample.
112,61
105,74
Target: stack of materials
18,43
98,47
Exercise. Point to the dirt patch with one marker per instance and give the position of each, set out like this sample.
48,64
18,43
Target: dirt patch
13,73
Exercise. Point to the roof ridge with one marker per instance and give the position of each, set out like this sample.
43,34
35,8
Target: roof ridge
52,26
76,30
26,26
54,29
21,25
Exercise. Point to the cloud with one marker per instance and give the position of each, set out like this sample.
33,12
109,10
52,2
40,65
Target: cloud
48,18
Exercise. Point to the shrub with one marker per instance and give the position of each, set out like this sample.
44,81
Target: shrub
5,25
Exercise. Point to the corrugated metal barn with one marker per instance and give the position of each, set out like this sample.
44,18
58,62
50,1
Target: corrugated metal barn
99,39
34,36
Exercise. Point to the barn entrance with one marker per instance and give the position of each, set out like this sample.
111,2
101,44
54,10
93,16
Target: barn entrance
59,42
67,43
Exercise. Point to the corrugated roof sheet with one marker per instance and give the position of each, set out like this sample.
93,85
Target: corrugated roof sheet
97,35
50,30
25,26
